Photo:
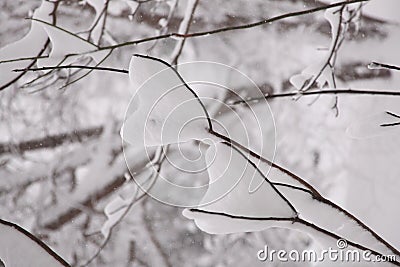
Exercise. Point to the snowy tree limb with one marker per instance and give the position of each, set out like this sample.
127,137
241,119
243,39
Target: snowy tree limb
28,244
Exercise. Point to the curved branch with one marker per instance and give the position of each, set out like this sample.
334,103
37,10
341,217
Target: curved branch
36,240
184,83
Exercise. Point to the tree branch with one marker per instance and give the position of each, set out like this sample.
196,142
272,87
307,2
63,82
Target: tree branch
319,92
157,164
377,65
184,28
51,141
232,28
36,240
314,193
293,221
39,55
74,67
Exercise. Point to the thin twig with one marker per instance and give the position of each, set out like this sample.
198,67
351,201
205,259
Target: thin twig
318,92
184,28
103,27
22,59
75,67
30,65
293,221
291,206
332,51
39,55
232,28
87,73
314,193
383,66
164,27
185,84
392,114
157,164
196,34
392,123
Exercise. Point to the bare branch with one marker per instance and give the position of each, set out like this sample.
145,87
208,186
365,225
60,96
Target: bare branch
184,28
319,92
332,51
377,65
232,28
393,123
74,67
39,55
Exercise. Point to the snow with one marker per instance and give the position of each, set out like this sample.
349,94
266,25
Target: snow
231,177
114,211
370,126
320,72
237,188
384,10
163,109
184,26
331,219
65,44
96,26
19,249
28,46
